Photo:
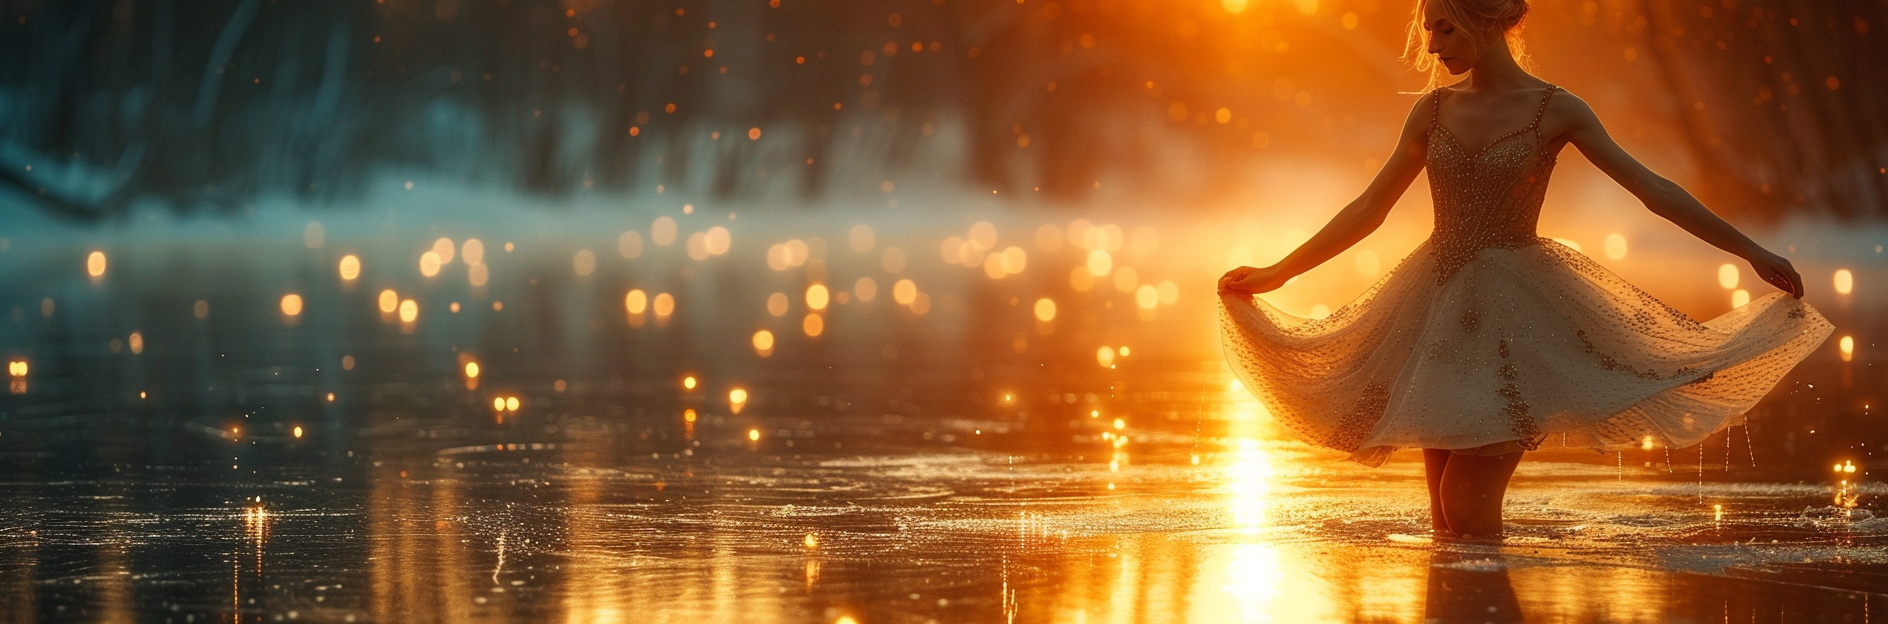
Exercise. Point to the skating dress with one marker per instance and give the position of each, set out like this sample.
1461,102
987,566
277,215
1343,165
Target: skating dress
1489,338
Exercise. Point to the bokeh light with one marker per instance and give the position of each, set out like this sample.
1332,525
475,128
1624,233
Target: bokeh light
905,292
583,263
1615,246
861,238
662,231
443,248
629,245
817,296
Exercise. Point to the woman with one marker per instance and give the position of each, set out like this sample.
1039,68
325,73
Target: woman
1489,340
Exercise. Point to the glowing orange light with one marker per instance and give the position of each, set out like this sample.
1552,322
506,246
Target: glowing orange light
409,311
298,431
472,370
1045,309
1845,282
350,267
1615,246
753,435
292,304
443,248
905,292
817,296
1099,263
737,398
95,264
389,301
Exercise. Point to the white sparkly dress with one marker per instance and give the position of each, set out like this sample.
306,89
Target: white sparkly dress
1489,338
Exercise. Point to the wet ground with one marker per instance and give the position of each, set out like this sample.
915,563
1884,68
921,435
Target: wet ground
177,446
592,523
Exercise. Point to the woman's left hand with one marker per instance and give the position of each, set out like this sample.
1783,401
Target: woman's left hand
1777,271
1251,280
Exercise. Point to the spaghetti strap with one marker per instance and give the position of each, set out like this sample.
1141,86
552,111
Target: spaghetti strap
1435,108
1542,110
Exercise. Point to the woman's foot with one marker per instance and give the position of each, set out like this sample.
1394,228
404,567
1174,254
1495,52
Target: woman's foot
1452,537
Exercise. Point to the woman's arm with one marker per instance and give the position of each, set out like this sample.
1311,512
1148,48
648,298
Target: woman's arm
1665,198
1357,220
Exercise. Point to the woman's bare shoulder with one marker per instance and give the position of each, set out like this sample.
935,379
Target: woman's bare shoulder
1567,112
1566,105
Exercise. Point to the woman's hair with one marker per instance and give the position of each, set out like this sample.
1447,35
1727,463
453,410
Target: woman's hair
1484,19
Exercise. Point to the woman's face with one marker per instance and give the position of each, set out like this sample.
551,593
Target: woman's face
1452,45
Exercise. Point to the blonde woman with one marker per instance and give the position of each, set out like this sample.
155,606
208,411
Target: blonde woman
1490,340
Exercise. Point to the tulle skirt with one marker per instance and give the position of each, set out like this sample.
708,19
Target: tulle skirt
1518,347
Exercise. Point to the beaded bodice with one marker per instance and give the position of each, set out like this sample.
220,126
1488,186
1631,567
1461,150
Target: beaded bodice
1486,198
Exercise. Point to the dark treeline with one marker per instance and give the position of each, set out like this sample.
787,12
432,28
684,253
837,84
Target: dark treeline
204,104
1788,99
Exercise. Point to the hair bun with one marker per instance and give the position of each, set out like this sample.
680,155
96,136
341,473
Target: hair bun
1517,11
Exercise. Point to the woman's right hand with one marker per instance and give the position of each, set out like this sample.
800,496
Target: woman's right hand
1251,280
1778,272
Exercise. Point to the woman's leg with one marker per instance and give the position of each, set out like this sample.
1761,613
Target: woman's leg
1434,462
1472,488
